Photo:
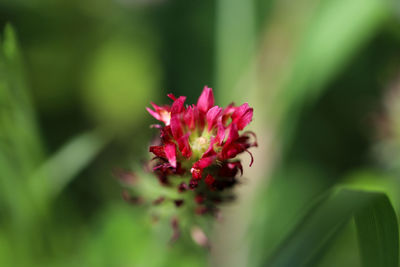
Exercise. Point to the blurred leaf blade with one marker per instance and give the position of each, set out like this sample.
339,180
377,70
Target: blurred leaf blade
58,170
18,122
377,233
21,147
235,18
314,233
334,34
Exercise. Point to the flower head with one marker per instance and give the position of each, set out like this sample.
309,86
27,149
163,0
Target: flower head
201,142
195,160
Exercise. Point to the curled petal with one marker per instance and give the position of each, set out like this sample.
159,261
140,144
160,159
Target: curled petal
252,158
232,150
247,133
212,115
227,113
206,100
242,116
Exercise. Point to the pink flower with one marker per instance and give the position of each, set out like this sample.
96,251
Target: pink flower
201,142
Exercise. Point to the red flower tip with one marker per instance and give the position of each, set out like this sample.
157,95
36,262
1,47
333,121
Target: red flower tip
206,100
160,113
172,96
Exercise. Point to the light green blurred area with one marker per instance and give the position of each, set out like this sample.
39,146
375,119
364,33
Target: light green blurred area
121,78
322,76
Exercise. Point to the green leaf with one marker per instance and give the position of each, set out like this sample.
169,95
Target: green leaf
57,171
377,233
21,156
376,224
21,147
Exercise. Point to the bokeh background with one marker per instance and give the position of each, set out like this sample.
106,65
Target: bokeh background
323,77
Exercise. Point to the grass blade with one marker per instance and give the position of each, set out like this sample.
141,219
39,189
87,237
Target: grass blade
376,222
377,234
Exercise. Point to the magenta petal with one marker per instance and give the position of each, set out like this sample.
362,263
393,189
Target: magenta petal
231,148
227,113
177,106
156,107
153,113
184,146
212,115
242,116
233,134
189,118
220,133
160,113
210,150
170,152
206,100
204,162
176,127
158,151
172,96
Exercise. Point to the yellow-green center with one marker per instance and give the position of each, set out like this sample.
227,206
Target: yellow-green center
200,145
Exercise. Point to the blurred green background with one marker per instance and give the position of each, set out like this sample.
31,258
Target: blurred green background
323,77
